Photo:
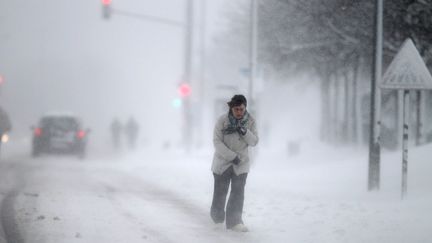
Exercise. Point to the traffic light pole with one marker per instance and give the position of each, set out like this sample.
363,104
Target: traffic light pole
148,18
188,27
108,11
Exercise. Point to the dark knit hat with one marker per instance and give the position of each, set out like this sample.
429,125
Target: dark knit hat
237,100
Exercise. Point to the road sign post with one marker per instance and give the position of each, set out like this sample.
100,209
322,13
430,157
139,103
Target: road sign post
406,96
406,72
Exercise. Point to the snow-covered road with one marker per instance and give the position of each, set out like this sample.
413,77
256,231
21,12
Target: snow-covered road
164,196
64,200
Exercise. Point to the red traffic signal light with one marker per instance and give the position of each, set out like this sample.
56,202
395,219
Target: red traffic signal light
184,90
106,9
106,2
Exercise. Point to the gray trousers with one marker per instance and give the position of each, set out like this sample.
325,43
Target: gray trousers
234,207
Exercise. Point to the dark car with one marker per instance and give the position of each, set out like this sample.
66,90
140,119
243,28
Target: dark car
59,133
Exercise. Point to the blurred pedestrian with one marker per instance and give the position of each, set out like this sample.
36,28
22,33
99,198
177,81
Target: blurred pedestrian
5,125
132,130
116,129
234,132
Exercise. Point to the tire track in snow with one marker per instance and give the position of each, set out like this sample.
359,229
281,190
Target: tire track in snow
149,192
8,219
154,234
9,223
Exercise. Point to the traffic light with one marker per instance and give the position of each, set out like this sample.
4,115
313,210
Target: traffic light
184,90
177,103
106,9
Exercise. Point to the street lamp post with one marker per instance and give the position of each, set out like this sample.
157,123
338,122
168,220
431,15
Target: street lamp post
374,141
202,76
252,50
187,131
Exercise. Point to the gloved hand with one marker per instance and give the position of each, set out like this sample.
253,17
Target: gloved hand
236,160
242,130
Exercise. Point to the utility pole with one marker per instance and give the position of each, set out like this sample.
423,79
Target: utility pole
252,51
375,112
187,119
201,98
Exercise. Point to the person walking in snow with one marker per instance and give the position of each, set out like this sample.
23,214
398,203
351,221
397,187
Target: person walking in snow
234,132
131,131
116,128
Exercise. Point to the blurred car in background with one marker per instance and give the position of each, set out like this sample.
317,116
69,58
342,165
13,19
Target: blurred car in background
4,138
59,133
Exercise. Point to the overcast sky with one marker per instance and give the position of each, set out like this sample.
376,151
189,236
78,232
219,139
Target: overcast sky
61,55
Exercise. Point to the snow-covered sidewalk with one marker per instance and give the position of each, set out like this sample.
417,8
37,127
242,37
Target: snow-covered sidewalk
318,196
164,196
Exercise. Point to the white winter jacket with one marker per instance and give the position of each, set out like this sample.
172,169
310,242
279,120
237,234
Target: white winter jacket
228,146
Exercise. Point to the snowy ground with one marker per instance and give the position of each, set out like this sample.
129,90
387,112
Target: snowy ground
164,196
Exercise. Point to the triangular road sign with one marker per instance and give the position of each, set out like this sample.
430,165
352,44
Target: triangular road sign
407,70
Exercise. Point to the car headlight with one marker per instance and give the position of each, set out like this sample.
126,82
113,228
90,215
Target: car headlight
5,138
